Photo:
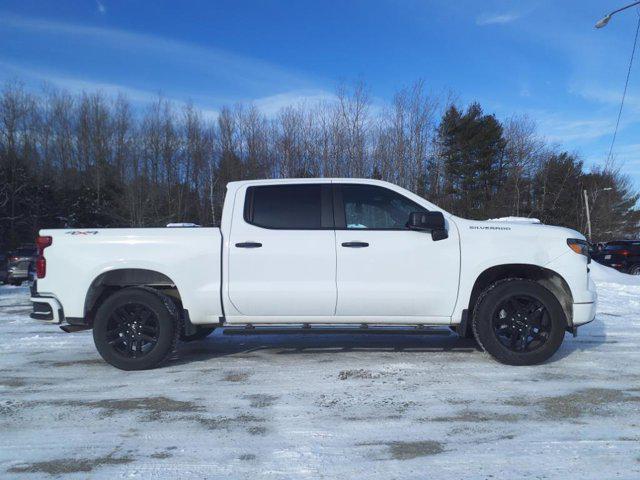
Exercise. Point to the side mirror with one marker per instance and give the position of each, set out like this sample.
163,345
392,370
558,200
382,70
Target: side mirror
428,221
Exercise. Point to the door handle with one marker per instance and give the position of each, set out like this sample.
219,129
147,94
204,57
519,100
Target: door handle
248,245
355,244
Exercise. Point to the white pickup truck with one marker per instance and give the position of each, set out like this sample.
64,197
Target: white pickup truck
312,252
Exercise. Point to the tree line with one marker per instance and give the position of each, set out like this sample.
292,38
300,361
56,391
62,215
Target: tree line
90,160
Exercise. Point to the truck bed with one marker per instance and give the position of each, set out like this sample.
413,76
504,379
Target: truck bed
189,258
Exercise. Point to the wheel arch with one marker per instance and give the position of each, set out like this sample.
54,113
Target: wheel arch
107,283
550,279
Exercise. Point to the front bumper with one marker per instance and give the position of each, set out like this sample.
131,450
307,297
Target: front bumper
46,309
585,311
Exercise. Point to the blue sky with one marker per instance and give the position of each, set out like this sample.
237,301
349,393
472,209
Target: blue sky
539,58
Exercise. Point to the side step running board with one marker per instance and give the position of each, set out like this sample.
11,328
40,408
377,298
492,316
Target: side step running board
74,328
253,330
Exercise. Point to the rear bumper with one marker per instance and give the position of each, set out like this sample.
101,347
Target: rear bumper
17,276
46,309
18,272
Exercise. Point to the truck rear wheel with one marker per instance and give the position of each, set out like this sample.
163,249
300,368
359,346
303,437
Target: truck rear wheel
519,322
136,328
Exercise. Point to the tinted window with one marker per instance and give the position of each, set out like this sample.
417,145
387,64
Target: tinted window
284,206
26,252
367,206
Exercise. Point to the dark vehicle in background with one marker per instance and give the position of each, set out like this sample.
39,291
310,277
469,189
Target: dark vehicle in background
623,255
20,264
595,248
3,268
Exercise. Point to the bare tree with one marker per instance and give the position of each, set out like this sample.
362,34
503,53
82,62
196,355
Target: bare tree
94,160
404,140
522,157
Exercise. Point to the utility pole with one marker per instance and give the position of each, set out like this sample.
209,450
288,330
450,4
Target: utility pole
586,206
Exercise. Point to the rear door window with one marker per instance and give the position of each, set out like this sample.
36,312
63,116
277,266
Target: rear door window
290,207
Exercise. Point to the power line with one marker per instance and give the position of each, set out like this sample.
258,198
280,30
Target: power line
624,93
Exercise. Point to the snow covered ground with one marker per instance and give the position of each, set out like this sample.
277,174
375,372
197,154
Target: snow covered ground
324,406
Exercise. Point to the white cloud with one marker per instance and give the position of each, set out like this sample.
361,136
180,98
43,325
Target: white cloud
77,85
101,8
272,104
497,18
626,154
563,129
608,96
213,62
269,105
80,85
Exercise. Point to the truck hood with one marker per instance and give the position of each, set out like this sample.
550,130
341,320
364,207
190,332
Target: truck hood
519,228
500,242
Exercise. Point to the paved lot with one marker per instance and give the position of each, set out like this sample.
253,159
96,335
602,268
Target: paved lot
322,406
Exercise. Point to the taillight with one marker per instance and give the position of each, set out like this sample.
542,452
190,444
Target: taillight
624,252
41,263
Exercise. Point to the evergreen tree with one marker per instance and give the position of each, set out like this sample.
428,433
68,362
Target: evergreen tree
471,145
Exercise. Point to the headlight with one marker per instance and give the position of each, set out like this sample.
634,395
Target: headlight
579,246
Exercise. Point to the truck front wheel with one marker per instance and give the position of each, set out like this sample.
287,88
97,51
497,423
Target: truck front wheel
519,322
136,328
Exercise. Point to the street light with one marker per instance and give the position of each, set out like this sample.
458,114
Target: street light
603,21
586,204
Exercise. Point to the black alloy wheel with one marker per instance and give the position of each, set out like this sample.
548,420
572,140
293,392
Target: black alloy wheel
136,328
132,330
521,323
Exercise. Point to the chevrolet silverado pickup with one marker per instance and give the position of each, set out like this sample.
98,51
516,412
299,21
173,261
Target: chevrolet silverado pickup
311,252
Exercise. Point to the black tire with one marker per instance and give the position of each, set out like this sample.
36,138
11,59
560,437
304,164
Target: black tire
519,322
136,328
200,334
16,283
634,269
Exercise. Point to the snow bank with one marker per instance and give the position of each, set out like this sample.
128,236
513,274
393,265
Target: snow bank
600,273
515,219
